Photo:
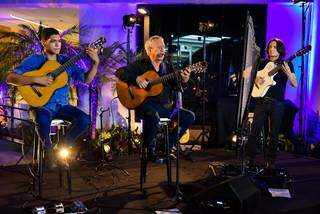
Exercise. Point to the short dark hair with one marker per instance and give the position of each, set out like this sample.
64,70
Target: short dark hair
47,32
280,47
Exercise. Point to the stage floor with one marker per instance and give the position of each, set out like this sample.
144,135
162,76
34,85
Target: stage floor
112,191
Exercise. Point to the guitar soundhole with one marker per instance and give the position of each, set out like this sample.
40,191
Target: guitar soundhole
148,88
52,76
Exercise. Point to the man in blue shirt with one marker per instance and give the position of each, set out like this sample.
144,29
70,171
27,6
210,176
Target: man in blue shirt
58,106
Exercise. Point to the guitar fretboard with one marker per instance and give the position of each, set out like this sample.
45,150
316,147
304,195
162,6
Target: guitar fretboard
67,64
197,67
279,66
164,78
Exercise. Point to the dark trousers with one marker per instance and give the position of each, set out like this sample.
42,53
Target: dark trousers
266,108
152,112
43,117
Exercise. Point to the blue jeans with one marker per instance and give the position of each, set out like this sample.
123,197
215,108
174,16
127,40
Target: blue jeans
152,112
43,117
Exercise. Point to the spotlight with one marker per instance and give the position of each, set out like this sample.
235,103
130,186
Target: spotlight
64,153
129,20
142,11
234,138
106,148
210,25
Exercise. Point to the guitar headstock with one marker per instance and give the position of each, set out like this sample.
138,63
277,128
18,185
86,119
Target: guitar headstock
303,50
300,52
98,43
198,67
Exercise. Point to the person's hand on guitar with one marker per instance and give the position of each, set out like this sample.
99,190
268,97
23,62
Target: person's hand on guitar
291,76
185,75
286,68
93,54
259,80
142,82
44,80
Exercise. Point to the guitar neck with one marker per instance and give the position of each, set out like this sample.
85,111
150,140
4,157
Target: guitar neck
164,78
279,66
298,53
67,64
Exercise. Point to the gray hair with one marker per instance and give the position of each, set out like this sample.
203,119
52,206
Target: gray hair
147,45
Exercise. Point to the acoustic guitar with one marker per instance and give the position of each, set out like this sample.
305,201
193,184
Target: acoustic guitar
269,71
38,95
131,96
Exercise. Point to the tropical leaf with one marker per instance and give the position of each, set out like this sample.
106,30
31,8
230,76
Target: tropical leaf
73,30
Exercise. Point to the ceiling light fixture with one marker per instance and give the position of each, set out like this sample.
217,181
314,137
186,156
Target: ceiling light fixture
31,22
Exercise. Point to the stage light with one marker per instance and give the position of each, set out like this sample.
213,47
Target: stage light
64,153
210,25
234,138
129,20
106,148
143,11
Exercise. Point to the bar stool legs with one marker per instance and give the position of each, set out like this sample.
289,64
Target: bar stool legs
69,178
168,158
164,122
40,167
143,166
37,165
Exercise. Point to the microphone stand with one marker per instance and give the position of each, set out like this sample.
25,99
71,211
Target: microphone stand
130,137
301,131
179,195
204,28
105,163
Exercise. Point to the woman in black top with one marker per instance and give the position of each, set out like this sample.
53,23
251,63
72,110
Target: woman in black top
271,104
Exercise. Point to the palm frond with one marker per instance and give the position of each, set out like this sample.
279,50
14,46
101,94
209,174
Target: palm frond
31,32
73,30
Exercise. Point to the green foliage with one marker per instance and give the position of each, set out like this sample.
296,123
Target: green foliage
117,139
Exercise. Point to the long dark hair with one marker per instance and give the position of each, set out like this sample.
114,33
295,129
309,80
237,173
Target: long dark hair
280,47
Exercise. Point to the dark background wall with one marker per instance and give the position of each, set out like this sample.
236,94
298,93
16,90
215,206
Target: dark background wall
229,20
